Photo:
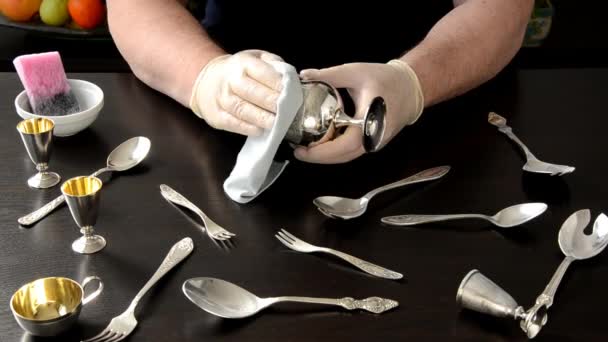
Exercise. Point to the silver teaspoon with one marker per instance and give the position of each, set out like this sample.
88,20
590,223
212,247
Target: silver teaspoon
125,156
348,208
506,218
575,245
227,300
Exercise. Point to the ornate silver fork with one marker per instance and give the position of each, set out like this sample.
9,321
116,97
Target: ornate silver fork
296,244
533,164
124,324
214,230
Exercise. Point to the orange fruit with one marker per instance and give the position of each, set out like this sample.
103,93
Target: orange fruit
88,14
19,10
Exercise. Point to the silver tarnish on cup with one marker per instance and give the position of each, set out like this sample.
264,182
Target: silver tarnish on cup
37,136
83,196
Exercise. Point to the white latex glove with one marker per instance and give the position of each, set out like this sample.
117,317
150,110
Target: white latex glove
395,81
238,93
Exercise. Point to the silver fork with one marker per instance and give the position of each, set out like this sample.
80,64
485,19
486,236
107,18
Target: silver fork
124,324
214,230
292,242
533,164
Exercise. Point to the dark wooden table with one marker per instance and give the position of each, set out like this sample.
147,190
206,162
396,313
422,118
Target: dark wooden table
561,114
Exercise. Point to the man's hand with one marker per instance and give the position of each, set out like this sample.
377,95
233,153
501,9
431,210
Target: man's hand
395,81
238,93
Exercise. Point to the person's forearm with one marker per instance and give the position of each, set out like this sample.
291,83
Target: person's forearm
164,45
468,46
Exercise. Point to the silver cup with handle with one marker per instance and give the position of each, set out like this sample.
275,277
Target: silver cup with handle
50,306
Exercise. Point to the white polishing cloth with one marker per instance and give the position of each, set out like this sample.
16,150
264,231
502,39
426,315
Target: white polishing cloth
255,168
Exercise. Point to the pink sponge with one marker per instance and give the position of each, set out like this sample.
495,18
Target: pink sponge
46,84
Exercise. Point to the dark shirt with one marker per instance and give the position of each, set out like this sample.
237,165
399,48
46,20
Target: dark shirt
317,33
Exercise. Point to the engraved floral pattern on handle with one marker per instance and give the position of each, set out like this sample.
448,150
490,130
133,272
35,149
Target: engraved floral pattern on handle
176,197
496,120
368,267
35,216
372,304
408,219
378,271
422,176
177,253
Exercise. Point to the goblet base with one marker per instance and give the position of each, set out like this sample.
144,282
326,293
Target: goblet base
43,180
89,244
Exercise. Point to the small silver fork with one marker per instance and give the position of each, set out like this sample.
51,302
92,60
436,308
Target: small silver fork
214,230
292,242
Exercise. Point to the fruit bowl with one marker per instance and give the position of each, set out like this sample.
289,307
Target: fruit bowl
39,27
84,18
90,98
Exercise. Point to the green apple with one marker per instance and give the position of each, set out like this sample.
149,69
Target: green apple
54,12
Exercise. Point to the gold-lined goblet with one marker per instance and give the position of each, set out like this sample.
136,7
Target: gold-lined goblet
83,196
37,136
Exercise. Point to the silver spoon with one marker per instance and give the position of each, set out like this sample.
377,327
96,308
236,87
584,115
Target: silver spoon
125,156
227,300
532,163
348,208
575,245
506,218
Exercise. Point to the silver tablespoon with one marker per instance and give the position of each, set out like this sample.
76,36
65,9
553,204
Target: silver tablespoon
575,245
125,156
506,218
348,208
227,300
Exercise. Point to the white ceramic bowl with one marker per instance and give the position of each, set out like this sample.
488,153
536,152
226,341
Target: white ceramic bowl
88,95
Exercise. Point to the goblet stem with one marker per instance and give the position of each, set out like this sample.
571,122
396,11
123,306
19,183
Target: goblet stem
88,243
87,231
341,119
41,167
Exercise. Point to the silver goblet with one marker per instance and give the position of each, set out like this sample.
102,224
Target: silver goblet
83,196
322,112
37,136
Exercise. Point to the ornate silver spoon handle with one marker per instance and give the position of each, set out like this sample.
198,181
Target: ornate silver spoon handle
178,252
536,317
368,267
42,212
423,176
410,220
546,298
371,304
